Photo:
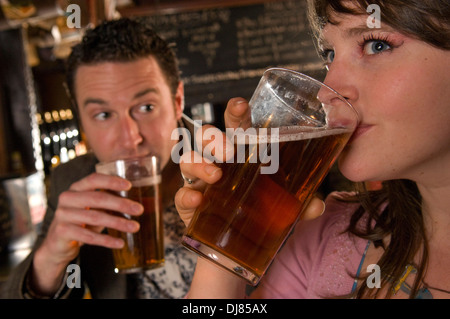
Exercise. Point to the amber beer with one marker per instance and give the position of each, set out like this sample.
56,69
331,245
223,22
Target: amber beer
145,248
246,216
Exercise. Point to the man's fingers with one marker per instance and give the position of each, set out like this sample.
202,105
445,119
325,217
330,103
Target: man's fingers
90,237
100,200
94,218
96,181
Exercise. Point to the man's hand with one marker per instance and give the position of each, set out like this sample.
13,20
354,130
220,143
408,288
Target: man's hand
80,217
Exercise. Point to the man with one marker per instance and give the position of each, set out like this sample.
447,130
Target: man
125,82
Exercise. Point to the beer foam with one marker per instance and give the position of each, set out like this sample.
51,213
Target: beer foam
286,134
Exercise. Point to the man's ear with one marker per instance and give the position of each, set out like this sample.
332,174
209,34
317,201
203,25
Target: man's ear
179,101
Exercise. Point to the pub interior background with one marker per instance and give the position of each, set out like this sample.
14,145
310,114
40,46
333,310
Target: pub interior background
223,47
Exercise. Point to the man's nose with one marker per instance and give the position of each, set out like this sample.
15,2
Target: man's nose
130,134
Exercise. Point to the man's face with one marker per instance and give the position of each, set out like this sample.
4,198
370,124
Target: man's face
126,109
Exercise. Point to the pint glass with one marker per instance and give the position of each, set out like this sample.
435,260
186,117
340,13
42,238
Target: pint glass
145,248
299,127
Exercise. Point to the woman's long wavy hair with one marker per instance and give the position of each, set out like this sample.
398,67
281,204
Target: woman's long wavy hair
401,221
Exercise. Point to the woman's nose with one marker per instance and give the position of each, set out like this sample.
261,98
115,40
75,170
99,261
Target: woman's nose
337,96
339,78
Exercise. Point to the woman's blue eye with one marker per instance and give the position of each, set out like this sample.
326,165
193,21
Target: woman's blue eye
329,56
375,47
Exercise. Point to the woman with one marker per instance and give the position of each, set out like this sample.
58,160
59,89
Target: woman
392,242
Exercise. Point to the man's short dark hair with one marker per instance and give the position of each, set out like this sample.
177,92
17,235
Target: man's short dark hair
123,40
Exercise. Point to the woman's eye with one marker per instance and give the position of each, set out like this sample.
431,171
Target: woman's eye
328,56
375,47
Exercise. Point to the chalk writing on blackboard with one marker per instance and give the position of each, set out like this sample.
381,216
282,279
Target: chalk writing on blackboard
231,47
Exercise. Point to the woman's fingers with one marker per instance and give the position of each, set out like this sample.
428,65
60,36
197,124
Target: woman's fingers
198,170
197,173
213,144
237,113
315,208
186,201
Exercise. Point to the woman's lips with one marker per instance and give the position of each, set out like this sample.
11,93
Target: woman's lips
360,130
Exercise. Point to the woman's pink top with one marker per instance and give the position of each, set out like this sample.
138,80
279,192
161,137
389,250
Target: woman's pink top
319,260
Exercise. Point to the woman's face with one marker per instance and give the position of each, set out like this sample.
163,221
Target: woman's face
400,87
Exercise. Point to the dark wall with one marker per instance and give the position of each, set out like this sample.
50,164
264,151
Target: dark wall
15,114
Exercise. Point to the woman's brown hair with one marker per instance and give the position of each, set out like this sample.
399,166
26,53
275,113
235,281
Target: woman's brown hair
426,20
401,221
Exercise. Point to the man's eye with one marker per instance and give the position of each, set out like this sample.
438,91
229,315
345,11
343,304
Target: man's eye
376,47
102,116
146,108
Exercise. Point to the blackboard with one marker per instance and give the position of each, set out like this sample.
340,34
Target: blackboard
224,51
